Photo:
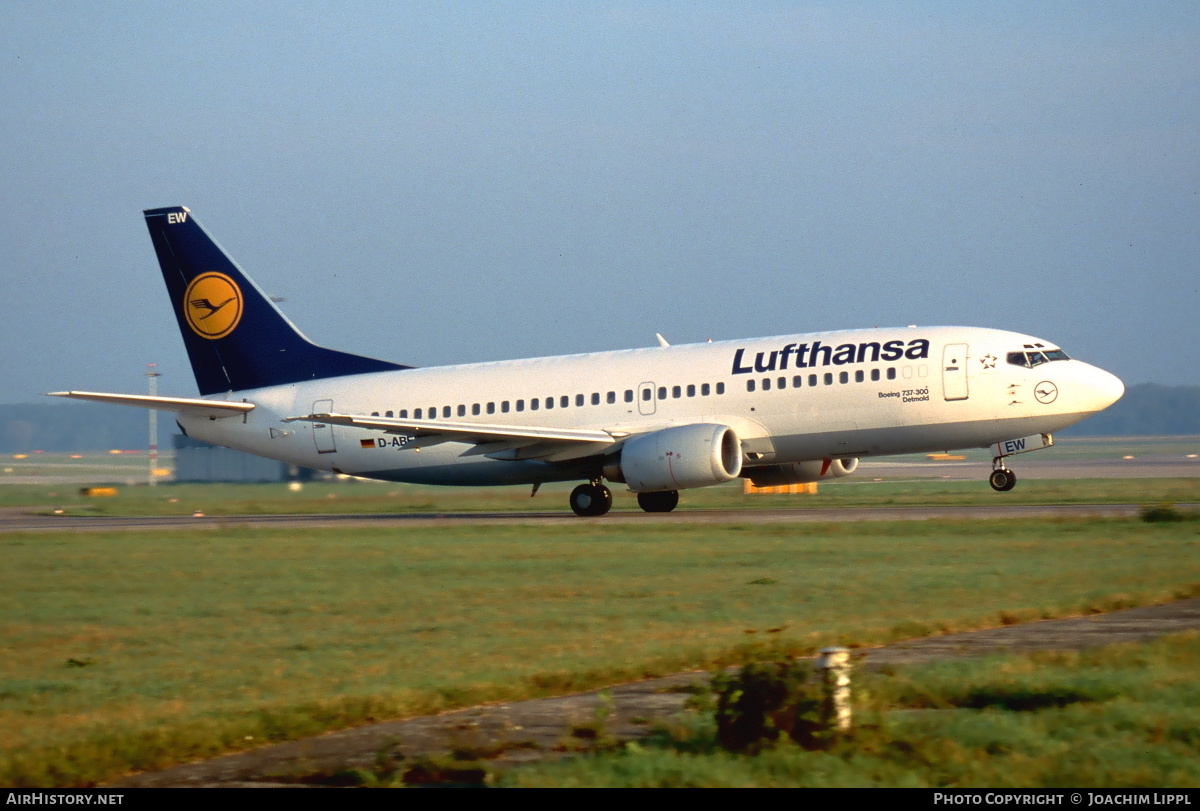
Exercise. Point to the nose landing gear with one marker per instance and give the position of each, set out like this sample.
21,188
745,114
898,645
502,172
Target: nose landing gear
1002,479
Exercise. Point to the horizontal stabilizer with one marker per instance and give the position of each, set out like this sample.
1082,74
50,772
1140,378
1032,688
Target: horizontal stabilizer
180,405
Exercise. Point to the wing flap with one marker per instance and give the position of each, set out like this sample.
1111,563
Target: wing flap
474,432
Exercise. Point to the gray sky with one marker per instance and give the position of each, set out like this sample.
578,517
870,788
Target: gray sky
448,182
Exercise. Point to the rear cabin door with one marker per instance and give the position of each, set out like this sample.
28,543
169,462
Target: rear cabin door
323,432
954,371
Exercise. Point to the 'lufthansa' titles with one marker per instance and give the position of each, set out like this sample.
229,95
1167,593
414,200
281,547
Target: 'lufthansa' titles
806,356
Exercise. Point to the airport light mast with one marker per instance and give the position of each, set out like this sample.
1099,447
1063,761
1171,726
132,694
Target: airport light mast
152,376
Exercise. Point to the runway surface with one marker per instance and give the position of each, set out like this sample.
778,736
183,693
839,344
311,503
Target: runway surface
18,520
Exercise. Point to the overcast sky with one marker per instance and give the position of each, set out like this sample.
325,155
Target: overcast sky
435,183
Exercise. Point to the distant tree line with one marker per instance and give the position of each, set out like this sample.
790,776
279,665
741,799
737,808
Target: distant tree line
1147,409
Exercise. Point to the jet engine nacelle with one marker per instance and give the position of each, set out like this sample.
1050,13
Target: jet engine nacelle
678,458
802,472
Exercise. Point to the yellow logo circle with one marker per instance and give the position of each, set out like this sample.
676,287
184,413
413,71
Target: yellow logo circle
212,305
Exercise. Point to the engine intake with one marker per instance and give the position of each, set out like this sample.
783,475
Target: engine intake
679,458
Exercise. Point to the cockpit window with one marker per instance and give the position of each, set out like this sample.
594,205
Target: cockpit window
1032,358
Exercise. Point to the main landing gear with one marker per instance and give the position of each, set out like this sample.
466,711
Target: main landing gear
591,499
594,499
661,502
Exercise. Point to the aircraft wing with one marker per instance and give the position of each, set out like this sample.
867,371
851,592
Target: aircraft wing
510,442
182,405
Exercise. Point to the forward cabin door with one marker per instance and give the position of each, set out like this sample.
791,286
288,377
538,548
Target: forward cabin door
323,432
954,371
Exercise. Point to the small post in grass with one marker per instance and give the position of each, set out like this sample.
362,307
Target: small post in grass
835,664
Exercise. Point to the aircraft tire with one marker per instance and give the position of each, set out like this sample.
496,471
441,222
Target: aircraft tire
591,500
1002,480
661,502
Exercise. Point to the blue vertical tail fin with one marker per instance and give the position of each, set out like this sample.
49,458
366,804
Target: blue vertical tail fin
236,338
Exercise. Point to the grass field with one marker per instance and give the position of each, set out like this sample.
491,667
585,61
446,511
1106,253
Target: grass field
1127,716
138,650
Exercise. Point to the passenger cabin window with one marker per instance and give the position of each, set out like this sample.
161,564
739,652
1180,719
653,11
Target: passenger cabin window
676,392
534,404
629,395
595,398
417,414
579,399
782,382
446,411
504,407
611,397
704,390
491,408
549,402
859,376
749,385
564,401
691,390
843,377
829,378
474,409
520,405
462,411
720,388
766,384
662,392
812,380
646,395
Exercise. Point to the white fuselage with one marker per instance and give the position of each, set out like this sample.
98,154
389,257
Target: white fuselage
790,398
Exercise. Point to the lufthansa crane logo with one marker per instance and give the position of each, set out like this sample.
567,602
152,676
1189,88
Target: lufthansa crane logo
212,305
1045,392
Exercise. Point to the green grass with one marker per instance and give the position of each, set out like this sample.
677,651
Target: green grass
1126,716
383,498
135,651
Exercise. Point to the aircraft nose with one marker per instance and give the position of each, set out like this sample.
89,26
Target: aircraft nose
1106,388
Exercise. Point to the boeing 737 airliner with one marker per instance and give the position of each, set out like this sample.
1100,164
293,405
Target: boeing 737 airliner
788,409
